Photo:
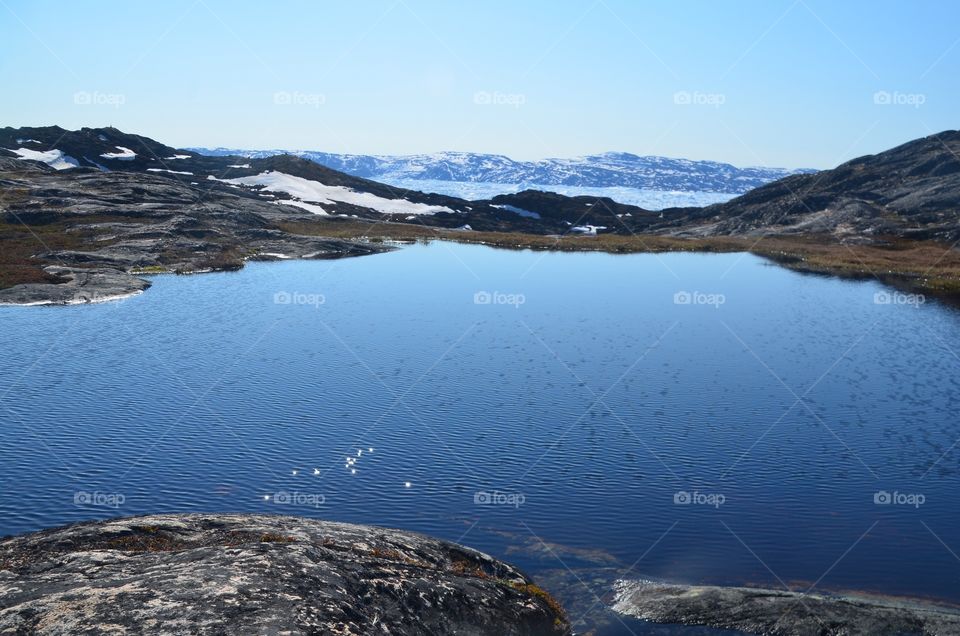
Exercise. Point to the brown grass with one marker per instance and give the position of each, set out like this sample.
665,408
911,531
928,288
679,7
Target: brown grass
465,568
389,555
531,589
19,246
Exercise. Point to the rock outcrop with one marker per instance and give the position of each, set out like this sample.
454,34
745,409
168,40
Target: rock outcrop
781,613
258,574
911,191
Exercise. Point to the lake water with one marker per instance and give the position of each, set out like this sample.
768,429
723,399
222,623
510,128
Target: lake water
568,412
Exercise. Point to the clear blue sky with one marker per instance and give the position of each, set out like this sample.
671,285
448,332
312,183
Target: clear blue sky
773,82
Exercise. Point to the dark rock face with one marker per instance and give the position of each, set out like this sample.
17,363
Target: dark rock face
781,613
911,191
256,574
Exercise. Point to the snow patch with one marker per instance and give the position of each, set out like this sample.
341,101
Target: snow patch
53,158
170,171
125,154
310,207
311,193
587,230
175,157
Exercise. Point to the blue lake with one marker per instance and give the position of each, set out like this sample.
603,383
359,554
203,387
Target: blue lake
688,417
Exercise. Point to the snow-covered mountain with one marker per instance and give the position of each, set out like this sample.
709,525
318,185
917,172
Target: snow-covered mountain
611,169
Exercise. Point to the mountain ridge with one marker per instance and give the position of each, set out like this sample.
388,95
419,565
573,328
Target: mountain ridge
608,169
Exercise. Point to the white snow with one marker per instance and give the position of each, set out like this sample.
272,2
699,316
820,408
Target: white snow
307,194
210,177
125,154
27,141
53,158
170,171
176,157
310,207
243,165
588,230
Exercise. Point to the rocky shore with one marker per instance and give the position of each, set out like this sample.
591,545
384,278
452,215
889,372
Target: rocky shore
259,574
779,612
89,236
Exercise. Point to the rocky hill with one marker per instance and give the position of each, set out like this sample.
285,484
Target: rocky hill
257,574
911,191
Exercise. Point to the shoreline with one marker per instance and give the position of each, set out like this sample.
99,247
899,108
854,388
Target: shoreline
916,267
907,265
781,612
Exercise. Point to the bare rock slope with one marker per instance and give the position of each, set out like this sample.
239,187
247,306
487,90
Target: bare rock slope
257,574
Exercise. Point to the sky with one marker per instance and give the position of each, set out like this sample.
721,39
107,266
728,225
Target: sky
789,83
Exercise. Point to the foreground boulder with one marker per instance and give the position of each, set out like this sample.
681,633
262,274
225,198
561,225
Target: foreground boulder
259,574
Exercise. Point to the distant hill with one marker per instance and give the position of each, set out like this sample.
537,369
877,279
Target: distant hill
611,169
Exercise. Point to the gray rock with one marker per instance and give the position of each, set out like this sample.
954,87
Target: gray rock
258,574
83,285
781,613
910,191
